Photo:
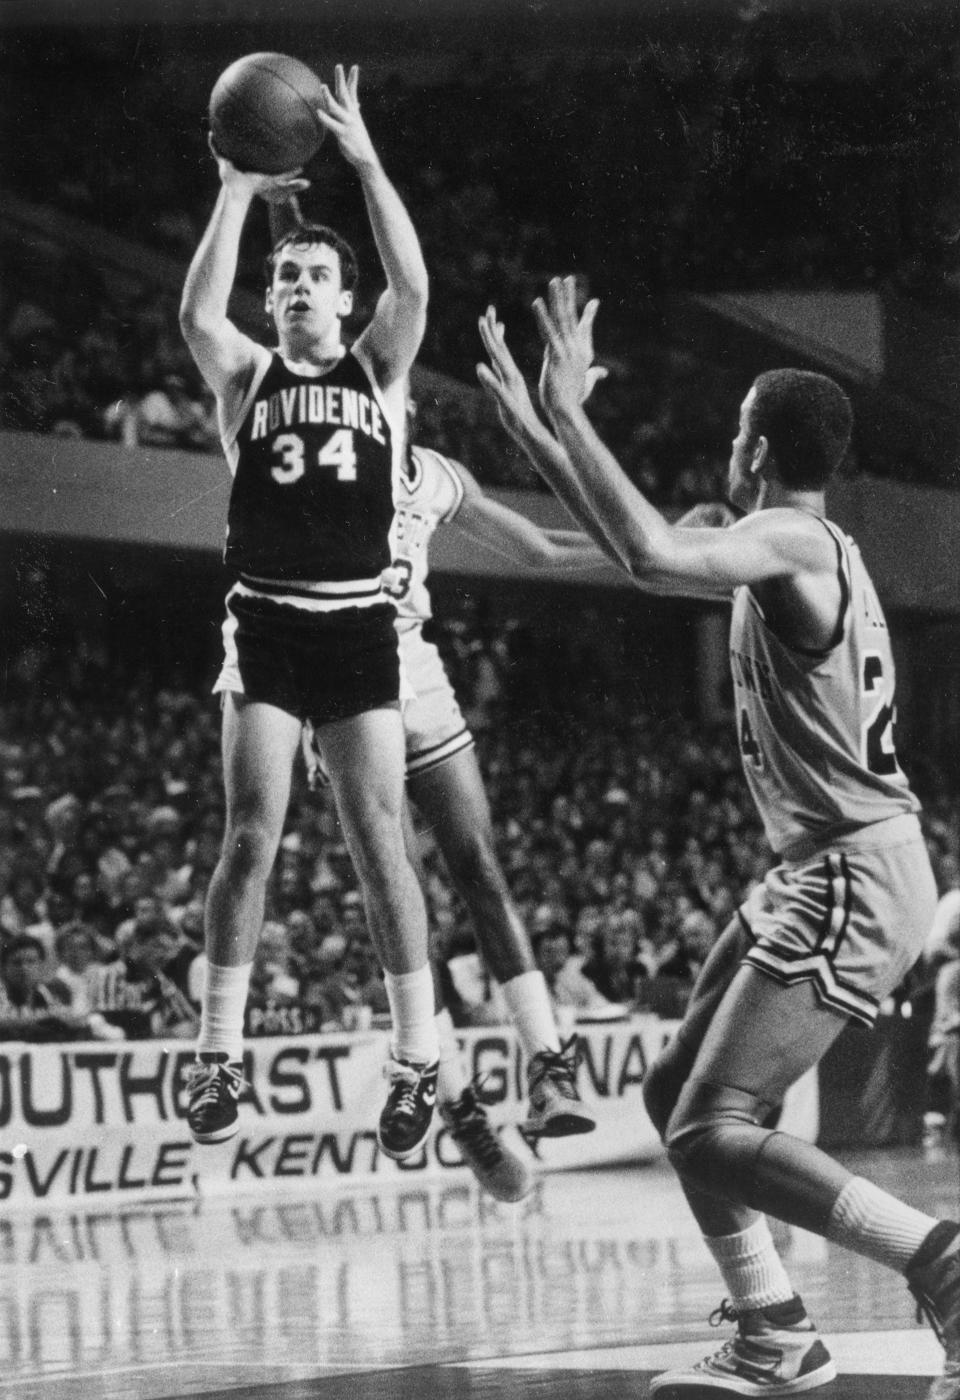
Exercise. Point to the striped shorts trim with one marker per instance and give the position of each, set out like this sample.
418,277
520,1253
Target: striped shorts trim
425,759
852,922
790,965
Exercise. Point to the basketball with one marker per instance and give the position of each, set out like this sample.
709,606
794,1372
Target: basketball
263,113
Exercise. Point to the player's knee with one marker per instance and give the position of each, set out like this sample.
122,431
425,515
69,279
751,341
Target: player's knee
714,1138
249,848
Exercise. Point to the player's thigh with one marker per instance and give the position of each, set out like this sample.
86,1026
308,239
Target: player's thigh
764,1035
365,759
259,742
452,799
667,1075
711,986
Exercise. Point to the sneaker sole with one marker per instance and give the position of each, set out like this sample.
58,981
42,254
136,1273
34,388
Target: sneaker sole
218,1135
401,1156
691,1384
560,1125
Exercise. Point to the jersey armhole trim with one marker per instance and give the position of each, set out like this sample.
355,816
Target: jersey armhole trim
840,627
229,436
458,487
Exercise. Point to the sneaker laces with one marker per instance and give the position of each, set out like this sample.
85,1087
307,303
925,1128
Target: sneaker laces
726,1312
559,1066
406,1075
928,1312
471,1126
204,1082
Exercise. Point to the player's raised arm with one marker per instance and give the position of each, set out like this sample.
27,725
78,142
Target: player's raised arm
660,557
224,355
507,388
393,337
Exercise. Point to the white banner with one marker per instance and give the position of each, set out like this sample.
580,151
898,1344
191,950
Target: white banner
82,1121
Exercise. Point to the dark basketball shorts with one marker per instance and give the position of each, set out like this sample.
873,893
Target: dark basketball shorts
317,666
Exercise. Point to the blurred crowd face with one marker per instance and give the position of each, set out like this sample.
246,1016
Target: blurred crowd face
552,951
620,939
23,972
154,948
148,912
76,948
191,921
588,929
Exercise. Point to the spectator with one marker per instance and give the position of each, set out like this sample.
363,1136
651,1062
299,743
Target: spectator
75,971
272,981
29,1009
57,911
150,916
668,991
356,992
568,987
135,993
616,969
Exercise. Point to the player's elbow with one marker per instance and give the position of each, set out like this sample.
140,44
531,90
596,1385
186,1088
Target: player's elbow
191,320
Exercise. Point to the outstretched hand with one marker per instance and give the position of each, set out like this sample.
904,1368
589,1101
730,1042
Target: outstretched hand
506,385
340,114
502,379
275,189
568,374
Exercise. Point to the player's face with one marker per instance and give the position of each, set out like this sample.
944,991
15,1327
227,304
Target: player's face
307,297
743,483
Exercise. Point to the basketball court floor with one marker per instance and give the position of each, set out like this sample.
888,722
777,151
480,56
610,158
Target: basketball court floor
583,1291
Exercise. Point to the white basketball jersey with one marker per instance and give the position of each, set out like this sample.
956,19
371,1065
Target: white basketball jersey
816,728
430,494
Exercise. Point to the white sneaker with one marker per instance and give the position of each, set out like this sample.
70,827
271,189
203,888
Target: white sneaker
775,1351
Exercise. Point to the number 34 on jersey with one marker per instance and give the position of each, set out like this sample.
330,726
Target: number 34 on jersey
290,457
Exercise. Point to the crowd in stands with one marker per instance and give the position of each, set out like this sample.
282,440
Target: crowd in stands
727,162
626,835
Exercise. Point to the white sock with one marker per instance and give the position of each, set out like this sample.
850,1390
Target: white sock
411,1007
875,1224
532,1012
452,1079
751,1267
224,1002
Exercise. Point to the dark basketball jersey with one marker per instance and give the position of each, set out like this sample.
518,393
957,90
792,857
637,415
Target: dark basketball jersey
816,729
313,477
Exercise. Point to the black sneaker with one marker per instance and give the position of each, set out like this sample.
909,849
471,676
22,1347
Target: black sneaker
405,1120
934,1280
555,1107
774,1351
498,1170
214,1082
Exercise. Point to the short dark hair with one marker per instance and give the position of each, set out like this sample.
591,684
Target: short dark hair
808,421
21,943
306,236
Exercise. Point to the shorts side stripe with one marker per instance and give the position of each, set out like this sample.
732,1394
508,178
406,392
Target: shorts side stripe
788,969
789,966
439,753
835,924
